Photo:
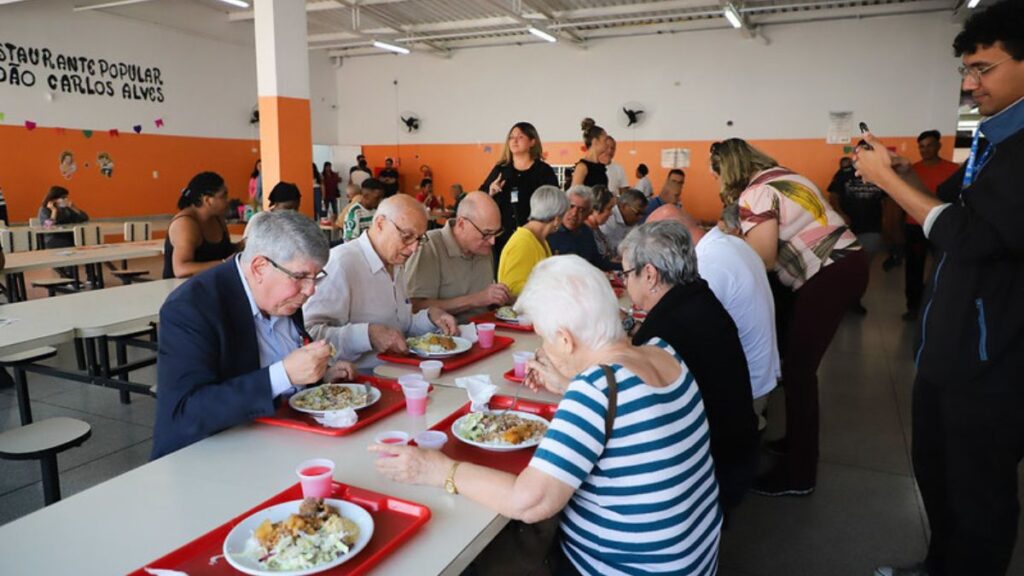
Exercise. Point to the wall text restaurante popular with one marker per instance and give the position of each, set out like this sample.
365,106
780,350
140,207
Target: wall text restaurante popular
24,66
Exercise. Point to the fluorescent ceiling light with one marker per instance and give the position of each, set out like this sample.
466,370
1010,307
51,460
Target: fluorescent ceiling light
390,47
733,16
973,3
542,34
239,3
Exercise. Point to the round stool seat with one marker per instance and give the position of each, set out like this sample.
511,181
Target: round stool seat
49,436
44,282
41,353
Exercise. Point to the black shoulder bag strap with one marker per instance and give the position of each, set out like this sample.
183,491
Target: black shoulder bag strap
613,401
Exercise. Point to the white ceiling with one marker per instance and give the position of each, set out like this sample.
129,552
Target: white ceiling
347,28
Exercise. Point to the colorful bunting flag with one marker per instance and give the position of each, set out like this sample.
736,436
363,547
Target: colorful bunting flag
1,116
61,131
137,128
114,133
87,133
30,125
159,122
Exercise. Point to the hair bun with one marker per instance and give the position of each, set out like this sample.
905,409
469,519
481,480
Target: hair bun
587,124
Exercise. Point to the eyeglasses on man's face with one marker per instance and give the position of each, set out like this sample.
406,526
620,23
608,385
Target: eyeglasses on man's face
302,278
487,234
408,237
976,71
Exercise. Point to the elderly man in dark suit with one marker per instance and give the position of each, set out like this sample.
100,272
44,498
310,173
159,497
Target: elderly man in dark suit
232,341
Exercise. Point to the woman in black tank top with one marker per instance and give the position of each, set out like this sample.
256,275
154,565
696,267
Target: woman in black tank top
192,243
589,171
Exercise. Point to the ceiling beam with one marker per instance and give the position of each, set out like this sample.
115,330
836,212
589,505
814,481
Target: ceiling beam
320,6
110,4
388,20
519,18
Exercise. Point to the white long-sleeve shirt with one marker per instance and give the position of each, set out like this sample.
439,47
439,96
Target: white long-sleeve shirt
357,292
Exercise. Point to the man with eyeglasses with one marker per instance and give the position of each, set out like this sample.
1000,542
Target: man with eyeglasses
574,236
629,210
232,341
968,425
455,270
363,307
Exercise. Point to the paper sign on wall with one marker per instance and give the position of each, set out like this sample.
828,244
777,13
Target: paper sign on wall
675,158
840,127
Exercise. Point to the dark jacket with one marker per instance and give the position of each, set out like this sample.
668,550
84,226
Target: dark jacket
695,323
973,322
208,363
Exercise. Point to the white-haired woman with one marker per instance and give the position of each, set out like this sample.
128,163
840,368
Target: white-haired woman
529,244
625,459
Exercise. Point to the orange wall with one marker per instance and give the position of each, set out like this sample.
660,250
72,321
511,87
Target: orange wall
29,165
469,164
286,146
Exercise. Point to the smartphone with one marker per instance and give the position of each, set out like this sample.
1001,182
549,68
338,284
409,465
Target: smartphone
863,143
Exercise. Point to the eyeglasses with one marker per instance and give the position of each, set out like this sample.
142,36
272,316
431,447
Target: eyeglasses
300,278
407,237
976,72
487,235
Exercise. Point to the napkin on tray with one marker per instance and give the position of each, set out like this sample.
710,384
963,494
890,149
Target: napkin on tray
480,390
338,418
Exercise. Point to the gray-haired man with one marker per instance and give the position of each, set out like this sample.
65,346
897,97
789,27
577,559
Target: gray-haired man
232,338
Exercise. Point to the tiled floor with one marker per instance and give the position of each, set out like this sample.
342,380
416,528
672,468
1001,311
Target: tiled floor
866,510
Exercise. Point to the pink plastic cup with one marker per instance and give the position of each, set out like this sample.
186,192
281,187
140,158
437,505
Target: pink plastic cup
391,438
415,397
519,360
315,476
485,335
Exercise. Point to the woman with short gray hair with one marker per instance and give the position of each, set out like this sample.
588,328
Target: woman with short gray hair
660,269
529,245
625,462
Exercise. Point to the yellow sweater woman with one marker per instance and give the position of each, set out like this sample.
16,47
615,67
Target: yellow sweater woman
529,245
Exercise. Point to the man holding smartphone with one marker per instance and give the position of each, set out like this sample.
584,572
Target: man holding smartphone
968,428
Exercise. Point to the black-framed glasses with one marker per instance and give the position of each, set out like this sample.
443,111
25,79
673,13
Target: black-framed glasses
408,238
300,278
487,235
626,273
976,72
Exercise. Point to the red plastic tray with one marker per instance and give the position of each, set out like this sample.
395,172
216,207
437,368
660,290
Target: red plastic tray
513,462
454,362
394,522
391,401
511,376
499,323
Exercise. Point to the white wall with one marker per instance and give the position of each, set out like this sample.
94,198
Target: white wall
209,84
896,73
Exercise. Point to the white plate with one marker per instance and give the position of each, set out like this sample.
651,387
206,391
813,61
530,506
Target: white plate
457,428
370,401
234,544
461,345
498,315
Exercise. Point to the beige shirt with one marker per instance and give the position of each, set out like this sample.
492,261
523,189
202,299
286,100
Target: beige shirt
441,270
357,292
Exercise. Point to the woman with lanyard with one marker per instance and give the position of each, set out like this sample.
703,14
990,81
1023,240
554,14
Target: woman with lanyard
512,181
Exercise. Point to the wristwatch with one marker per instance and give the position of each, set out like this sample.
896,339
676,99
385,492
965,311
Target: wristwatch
449,482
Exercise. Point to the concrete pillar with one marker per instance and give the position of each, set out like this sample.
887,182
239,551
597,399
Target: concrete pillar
282,72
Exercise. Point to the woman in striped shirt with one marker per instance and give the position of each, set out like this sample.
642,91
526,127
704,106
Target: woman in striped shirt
642,499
